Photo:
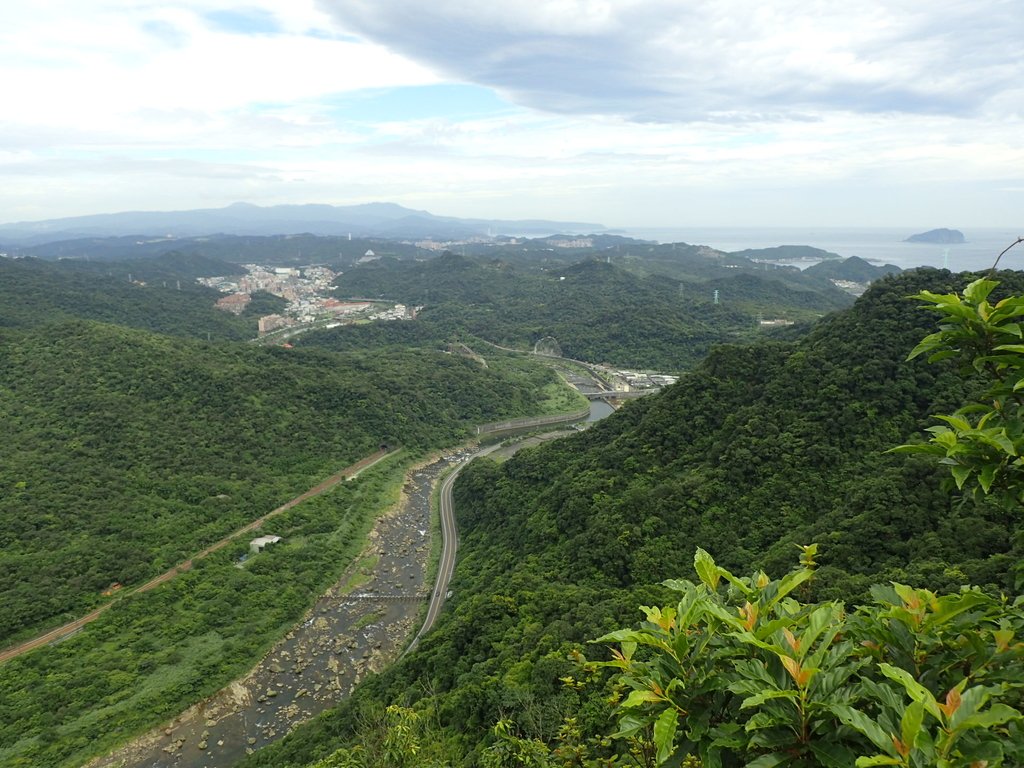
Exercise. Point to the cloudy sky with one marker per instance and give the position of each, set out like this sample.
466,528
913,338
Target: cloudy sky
628,112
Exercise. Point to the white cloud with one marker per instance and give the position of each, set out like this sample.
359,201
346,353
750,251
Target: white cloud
677,60
623,110
93,66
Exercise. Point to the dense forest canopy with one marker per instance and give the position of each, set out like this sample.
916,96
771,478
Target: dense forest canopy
279,250
597,311
128,450
35,292
758,450
125,451
138,430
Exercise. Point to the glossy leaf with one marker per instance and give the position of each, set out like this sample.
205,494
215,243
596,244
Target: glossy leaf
665,734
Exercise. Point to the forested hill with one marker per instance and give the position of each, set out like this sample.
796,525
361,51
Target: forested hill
760,449
597,311
125,451
763,448
34,292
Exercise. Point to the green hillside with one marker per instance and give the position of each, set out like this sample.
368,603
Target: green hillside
35,292
125,451
758,450
298,249
597,311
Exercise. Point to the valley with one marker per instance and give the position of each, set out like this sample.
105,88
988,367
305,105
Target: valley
357,627
733,434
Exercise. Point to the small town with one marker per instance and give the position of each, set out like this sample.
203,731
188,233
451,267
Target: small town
307,291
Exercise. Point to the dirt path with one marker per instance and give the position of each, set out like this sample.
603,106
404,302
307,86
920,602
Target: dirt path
358,626
74,626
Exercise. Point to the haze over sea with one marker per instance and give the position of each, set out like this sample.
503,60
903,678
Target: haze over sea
879,246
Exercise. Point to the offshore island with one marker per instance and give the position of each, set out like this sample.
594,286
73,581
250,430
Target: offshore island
940,236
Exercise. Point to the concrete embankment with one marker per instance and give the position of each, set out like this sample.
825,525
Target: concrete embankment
359,626
515,425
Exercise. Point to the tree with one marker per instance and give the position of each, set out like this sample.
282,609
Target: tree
740,672
982,442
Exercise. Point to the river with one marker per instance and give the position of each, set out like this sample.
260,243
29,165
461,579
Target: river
360,625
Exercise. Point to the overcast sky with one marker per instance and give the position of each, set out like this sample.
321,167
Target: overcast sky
628,112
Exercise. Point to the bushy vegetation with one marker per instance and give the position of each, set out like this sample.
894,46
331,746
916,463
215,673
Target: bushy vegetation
740,672
758,450
597,311
152,655
34,293
124,452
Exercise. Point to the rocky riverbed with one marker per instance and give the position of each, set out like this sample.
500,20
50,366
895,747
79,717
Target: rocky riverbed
359,626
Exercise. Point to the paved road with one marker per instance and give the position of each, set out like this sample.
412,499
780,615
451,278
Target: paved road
70,628
450,544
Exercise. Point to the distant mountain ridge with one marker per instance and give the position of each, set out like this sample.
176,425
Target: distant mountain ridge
387,220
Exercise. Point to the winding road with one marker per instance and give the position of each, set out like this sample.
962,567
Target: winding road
449,546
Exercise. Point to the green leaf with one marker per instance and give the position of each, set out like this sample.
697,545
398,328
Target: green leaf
763,696
771,760
996,438
866,762
665,734
637,698
788,583
827,616
863,724
937,298
950,606
985,753
914,689
832,755
738,583
979,290
705,566
621,636
926,345
710,756
987,476
723,614
764,719
678,585
629,724
690,609
935,450
945,354
956,422
997,714
910,724
960,474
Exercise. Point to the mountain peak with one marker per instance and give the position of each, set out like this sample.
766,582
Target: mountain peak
377,219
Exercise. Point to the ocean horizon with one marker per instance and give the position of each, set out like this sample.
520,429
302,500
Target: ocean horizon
882,245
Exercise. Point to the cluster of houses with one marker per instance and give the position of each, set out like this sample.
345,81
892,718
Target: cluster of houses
301,287
306,289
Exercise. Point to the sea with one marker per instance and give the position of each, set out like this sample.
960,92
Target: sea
878,246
